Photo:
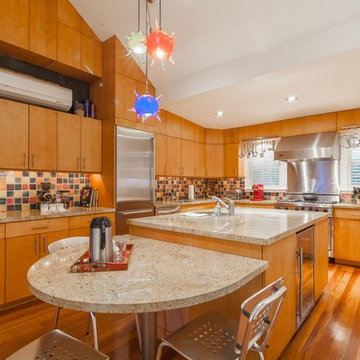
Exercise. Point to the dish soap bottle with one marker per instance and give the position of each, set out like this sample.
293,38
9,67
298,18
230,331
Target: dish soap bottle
217,209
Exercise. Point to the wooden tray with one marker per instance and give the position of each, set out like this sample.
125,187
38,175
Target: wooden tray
83,265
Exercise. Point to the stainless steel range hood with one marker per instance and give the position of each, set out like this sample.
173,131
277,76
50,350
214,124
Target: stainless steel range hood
312,146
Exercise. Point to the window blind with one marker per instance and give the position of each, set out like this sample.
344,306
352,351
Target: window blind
354,164
264,170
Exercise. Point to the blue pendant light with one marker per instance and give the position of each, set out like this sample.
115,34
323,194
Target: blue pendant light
146,106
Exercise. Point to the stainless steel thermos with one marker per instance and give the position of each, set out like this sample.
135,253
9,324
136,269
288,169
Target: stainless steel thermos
101,245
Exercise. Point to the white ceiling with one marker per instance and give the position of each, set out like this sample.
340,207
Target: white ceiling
246,56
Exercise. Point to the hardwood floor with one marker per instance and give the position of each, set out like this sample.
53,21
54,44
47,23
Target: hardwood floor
332,331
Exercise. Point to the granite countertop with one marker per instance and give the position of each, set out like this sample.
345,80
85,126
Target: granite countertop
14,216
161,276
249,225
347,206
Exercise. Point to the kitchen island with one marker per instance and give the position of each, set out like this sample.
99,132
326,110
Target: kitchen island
257,233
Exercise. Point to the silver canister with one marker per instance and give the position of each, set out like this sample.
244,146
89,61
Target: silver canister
101,245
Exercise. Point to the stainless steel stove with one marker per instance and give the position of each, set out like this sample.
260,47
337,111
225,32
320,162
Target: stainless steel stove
324,203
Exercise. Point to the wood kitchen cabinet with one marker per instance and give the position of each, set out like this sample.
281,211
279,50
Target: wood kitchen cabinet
347,236
21,253
69,141
50,237
160,155
80,225
91,130
2,264
14,119
214,136
91,55
69,46
310,124
68,15
124,97
42,139
214,160
200,156
231,160
187,167
173,151
43,27
187,129
14,22
173,125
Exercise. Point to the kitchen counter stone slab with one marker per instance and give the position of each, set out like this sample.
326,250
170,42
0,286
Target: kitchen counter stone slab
249,225
347,206
161,276
14,216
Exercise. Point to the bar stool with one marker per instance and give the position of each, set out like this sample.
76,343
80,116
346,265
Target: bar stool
214,336
71,242
57,345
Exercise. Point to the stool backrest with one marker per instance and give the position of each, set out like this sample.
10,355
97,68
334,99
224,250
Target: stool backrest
258,314
67,242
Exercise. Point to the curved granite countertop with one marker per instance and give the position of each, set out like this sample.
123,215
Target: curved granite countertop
161,276
14,216
249,225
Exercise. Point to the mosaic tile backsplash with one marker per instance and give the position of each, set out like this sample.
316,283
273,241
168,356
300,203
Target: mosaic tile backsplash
19,190
178,188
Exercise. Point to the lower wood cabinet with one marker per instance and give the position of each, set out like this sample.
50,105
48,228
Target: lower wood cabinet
26,242
347,235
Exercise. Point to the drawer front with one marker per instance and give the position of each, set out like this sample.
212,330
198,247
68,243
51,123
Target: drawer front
24,228
347,214
193,207
77,222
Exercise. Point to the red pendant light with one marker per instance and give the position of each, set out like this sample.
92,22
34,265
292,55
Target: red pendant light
160,45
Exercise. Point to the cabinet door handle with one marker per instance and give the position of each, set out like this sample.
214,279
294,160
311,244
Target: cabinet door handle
39,227
32,160
45,243
36,245
24,159
84,163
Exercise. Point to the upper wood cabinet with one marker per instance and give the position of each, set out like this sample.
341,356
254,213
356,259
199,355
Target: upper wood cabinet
160,154
68,15
69,46
173,125
214,136
173,151
91,55
262,130
231,160
214,160
231,136
348,118
187,166
43,28
69,135
310,124
91,130
200,162
42,139
14,22
14,123
199,134
124,97
187,129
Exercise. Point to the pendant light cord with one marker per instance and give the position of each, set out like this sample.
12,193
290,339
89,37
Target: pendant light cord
147,23
160,14
138,16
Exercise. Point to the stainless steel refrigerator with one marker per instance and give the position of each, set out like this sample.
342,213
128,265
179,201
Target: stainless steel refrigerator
134,176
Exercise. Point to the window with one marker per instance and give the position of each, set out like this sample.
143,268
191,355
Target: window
350,168
267,171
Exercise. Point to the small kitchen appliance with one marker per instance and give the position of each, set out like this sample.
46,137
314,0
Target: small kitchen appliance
191,192
258,192
101,244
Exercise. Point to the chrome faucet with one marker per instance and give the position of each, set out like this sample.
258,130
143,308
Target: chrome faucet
230,208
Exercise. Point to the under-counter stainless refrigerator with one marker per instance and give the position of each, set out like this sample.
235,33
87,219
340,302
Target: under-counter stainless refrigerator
134,176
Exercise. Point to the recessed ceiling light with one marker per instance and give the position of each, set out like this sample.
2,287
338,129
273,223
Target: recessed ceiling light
219,113
291,99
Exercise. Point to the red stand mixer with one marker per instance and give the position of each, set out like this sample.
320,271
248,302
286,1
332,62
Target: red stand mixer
258,192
